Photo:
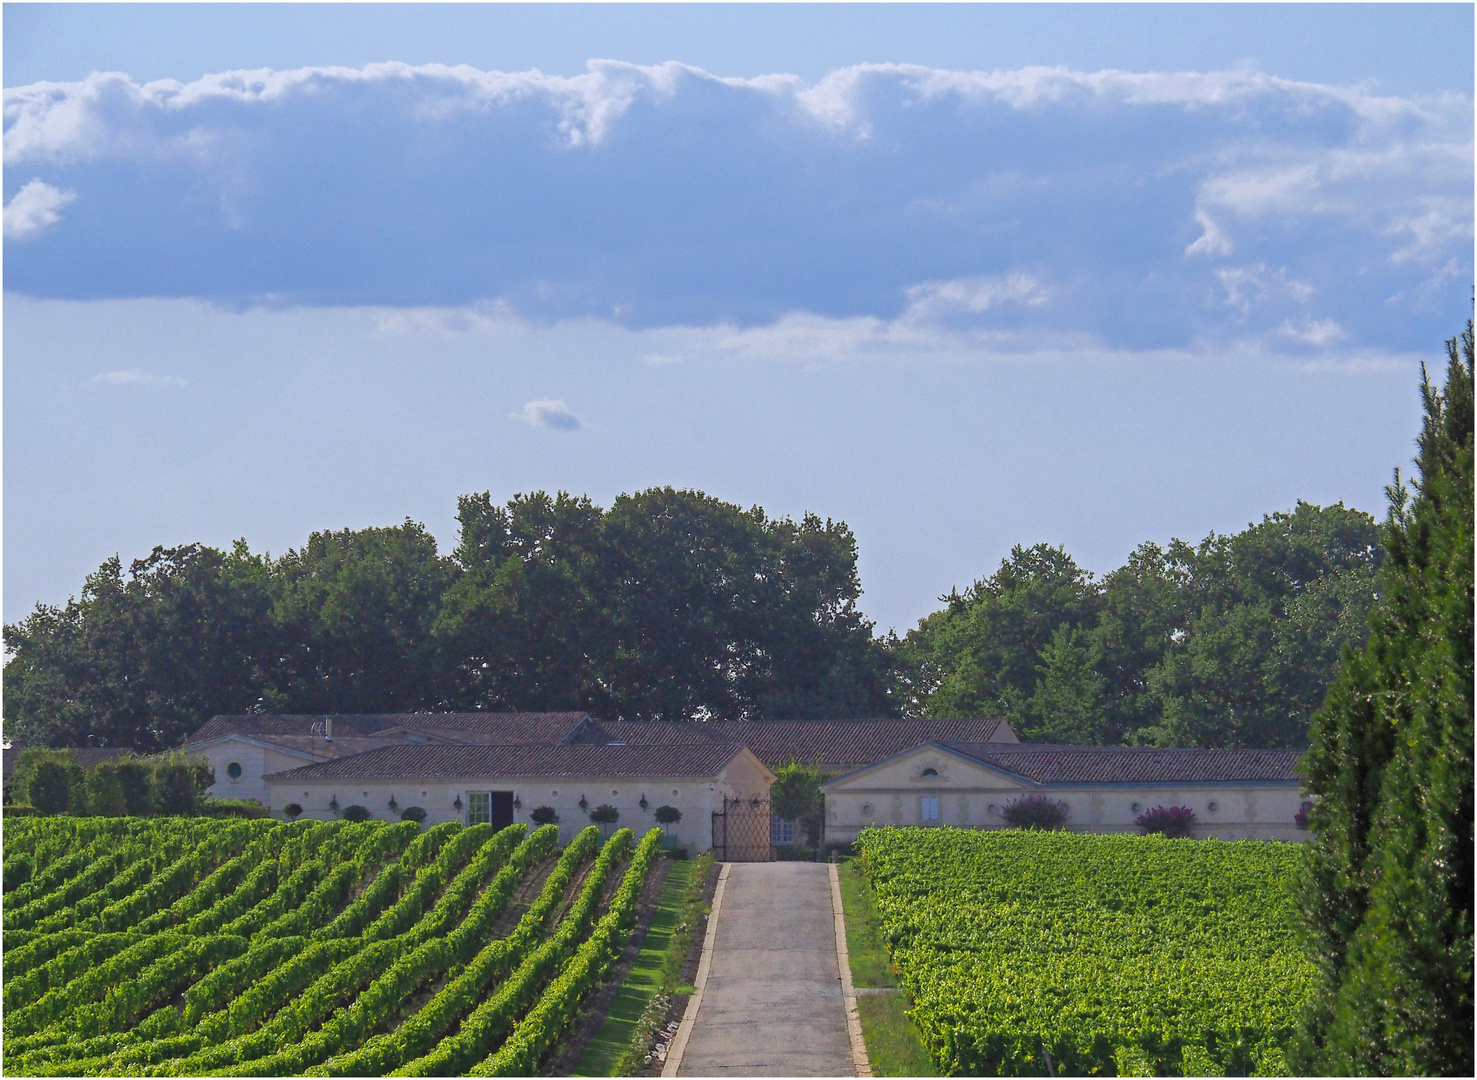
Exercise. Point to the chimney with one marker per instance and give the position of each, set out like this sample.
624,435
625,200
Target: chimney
328,729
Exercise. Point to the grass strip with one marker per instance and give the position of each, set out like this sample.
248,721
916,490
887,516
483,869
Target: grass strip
893,1044
652,998
641,983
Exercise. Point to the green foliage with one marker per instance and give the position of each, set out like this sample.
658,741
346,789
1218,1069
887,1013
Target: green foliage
413,813
796,796
1388,893
355,812
213,931
670,604
667,815
1231,642
179,784
50,789
1110,954
292,810
544,815
605,814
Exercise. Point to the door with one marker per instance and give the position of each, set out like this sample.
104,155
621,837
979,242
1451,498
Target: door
502,809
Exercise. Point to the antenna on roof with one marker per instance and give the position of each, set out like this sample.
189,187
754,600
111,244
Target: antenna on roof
328,729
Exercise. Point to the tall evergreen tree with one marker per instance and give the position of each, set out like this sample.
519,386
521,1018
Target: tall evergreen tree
1389,885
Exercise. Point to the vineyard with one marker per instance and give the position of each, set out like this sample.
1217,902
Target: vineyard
1028,953
187,947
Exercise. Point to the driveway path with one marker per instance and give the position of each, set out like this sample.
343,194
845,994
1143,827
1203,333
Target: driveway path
772,1003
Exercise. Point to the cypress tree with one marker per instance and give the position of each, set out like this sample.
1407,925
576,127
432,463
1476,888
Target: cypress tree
1388,890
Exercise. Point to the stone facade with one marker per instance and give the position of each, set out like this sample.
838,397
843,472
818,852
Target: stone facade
970,794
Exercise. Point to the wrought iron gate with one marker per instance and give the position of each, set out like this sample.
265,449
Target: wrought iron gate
741,831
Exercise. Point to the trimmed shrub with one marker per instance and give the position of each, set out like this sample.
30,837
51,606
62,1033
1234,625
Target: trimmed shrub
50,787
667,815
413,813
179,784
1171,821
133,780
1035,812
544,815
605,814
355,813
292,810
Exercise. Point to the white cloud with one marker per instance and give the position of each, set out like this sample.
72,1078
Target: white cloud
1248,286
135,377
975,294
549,414
34,209
1316,332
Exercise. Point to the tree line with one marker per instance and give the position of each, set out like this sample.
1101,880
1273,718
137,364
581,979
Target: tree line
668,605
675,605
1230,642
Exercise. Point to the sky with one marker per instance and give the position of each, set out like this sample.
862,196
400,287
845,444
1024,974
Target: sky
962,276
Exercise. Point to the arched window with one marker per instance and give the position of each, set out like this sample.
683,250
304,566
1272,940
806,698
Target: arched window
930,771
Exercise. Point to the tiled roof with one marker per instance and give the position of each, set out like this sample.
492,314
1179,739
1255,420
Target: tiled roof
1045,764
529,727
687,760
832,744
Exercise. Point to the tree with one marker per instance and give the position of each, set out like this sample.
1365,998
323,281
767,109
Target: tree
133,780
719,612
354,609
796,796
667,815
604,815
1388,893
980,655
50,789
179,784
144,656
544,815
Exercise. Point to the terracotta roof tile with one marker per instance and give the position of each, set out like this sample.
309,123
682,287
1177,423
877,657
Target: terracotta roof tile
831,744
446,762
529,727
1045,764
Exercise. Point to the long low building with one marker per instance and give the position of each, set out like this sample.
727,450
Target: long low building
1234,794
503,767
504,784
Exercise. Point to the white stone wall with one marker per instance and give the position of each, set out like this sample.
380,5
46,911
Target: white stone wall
1226,812
971,795
695,797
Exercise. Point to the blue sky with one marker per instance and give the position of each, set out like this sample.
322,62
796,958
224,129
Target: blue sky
962,276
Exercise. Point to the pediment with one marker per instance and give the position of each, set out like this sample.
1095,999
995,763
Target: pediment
928,766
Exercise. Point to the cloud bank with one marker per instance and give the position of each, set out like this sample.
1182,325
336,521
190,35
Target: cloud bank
1143,210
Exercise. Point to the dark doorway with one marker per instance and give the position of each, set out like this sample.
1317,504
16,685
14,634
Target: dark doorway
502,809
